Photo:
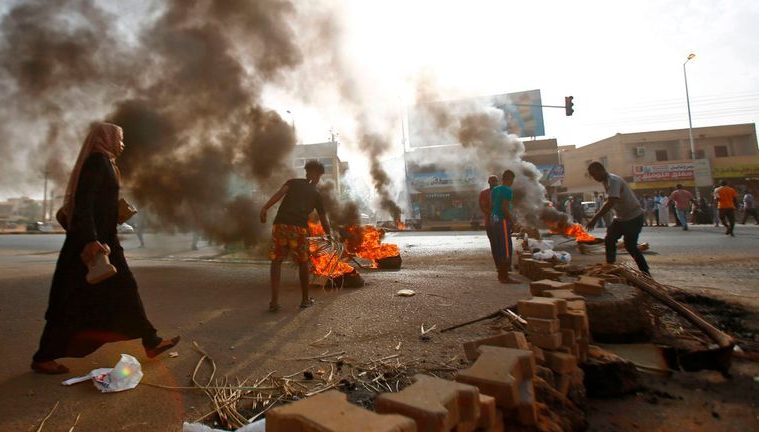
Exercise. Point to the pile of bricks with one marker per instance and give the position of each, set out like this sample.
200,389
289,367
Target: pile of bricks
498,389
537,269
558,325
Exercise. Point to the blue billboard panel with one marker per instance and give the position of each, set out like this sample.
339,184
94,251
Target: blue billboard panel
523,113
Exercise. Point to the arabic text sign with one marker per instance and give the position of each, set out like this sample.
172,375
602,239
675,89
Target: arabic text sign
664,171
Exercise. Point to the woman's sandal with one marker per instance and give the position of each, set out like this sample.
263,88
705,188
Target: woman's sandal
49,368
161,347
308,303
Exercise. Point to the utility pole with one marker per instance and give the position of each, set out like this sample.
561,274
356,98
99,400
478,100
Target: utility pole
44,198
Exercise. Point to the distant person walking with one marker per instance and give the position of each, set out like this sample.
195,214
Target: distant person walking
663,210
682,199
81,317
299,198
486,208
599,200
650,209
749,208
629,216
726,203
502,224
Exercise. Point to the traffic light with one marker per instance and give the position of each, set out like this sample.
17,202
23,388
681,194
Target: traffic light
569,105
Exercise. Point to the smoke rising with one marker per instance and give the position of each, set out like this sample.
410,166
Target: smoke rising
187,92
481,129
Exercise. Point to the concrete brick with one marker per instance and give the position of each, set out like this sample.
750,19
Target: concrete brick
575,320
331,412
527,267
538,353
560,362
550,341
542,307
590,280
504,374
577,305
568,337
549,273
527,414
565,294
488,416
537,287
588,285
544,326
507,340
435,404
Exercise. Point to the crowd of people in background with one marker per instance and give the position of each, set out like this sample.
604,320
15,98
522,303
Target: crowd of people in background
679,208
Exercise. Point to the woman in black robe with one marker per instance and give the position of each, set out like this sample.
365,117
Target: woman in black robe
81,316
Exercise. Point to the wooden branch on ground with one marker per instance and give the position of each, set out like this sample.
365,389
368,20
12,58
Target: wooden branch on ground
659,292
496,314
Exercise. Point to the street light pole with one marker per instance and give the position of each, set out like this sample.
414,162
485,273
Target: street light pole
687,100
690,122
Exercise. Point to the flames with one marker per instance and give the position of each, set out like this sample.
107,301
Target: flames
577,231
361,241
366,242
400,225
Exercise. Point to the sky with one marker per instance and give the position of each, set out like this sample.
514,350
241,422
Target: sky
622,61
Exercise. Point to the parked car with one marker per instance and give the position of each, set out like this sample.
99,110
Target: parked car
589,208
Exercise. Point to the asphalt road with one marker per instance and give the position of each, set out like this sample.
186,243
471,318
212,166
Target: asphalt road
220,301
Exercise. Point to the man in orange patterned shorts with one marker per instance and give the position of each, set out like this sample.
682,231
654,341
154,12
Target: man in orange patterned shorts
291,228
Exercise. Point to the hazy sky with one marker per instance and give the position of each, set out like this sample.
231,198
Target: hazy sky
622,61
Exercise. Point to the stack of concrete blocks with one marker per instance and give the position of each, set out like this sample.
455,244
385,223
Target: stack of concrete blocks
536,269
539,287
438,405
331,412
558,325
505,374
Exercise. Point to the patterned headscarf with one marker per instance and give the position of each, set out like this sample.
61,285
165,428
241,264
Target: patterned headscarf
103,138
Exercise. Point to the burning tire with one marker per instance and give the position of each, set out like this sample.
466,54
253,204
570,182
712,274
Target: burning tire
390,263
348,280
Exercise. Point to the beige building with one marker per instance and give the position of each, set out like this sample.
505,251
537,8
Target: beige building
661,159
326,153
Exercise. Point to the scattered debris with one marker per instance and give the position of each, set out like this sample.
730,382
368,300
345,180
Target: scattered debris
424,332
48,416
76,422
322,338
124,376
405,293
496,314
173,354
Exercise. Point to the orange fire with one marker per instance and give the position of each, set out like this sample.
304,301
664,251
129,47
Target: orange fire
576,231
327,265
370,246
400,225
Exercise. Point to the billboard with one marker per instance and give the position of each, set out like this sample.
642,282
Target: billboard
697,171
553,175
523,113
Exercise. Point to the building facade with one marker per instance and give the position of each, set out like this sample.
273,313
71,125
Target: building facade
447,197
659,160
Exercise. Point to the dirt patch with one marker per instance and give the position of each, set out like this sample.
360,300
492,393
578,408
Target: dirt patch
732,318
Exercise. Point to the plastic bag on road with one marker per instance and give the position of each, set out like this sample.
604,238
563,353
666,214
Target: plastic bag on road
124,376
548,255
543,245
258,426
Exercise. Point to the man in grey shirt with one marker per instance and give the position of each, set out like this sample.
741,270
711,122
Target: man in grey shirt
629,215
